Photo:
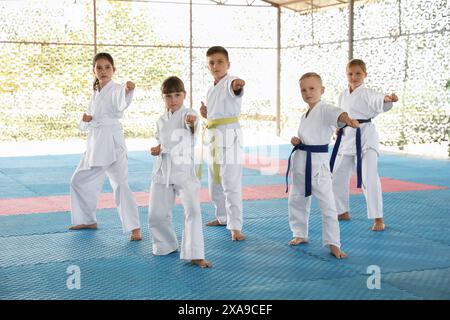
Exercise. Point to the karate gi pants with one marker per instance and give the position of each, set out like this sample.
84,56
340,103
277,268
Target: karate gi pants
160,220
300,206
227,196
86,186
344,167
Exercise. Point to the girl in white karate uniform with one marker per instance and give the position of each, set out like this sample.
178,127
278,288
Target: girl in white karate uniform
359,148
106,153
224,139
311,172
174,175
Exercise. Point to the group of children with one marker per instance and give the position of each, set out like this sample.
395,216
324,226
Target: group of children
315,174
174,167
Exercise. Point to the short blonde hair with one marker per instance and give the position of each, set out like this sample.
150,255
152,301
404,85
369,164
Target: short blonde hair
357,63
311,75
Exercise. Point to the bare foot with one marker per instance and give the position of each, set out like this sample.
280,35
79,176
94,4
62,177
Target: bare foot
83,226
378,224
214,223
296,241
136,235
237,235
202,263
335,251
344,216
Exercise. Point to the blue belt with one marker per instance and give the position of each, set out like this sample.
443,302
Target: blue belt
308,176
358,151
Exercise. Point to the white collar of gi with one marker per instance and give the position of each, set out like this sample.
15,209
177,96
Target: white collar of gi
221,80
313,108
105,89
106,86
356,90
170,113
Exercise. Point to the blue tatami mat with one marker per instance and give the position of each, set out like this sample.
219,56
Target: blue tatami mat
34,262
412,254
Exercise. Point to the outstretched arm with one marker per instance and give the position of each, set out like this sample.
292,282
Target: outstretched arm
129,87
388,101
237,85
124,95
392,98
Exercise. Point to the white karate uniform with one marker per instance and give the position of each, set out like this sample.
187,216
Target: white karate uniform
362,103
174,175
106,154
315,129
222,102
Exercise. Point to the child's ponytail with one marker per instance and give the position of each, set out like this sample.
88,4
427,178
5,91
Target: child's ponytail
96,84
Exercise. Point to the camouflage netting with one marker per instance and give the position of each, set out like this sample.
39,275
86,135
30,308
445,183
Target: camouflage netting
46,50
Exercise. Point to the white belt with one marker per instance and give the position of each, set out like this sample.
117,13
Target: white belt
168,159
105,122
169,169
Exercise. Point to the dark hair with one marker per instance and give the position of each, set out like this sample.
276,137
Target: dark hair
357,62
311,75
217,49
172,84
98,56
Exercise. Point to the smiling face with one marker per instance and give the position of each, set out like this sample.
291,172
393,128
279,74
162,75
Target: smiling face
174,100
218,65
312,90
355,76
103,70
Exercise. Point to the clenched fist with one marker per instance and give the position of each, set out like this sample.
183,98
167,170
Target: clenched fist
392,98
190,120
237,84
295,141
353,123
155,151
129,86
87,118
204,111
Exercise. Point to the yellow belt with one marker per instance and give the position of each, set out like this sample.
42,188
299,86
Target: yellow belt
212,124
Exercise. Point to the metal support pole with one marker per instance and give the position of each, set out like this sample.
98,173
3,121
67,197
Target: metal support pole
95,27
351,6
278,84
190,55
